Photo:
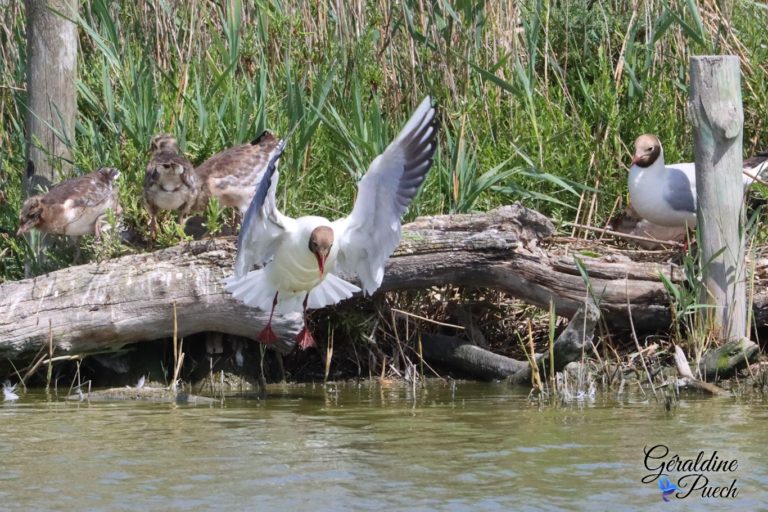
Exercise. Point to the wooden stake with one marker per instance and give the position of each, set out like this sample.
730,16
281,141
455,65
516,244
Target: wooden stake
716,113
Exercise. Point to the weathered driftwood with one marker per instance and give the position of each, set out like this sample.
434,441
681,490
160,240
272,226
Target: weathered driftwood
103,306
687,378
568,347
483,364
468,358
717,116
724,361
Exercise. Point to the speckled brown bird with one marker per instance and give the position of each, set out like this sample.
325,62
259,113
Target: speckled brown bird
233,175
170,182
74,207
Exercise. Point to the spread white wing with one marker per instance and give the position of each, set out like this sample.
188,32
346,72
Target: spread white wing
263,224
369,235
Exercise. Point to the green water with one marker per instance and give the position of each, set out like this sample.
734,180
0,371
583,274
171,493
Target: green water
370,447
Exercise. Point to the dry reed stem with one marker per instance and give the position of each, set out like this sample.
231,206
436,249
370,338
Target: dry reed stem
435,322
49,373
178,354
639,349
328,356
625,235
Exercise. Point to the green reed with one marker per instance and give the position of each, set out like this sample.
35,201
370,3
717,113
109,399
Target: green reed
540,100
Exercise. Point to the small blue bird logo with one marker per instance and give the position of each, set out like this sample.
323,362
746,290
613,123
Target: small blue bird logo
667,488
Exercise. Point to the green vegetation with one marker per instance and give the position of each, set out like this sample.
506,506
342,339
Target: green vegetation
540,99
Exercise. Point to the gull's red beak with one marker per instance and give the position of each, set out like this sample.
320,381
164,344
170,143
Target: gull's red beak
321,263
635,159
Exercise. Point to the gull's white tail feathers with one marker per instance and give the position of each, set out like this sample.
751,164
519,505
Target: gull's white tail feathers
255,290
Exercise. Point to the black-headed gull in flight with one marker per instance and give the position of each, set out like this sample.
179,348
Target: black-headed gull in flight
666,194
298,257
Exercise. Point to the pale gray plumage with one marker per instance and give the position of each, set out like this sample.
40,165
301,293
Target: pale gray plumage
255,243
372,231
679,194
666,194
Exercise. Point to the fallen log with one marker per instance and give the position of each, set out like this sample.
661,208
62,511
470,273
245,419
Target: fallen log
144,394
483,364
724,361
570,346
687,378
102,306
468,358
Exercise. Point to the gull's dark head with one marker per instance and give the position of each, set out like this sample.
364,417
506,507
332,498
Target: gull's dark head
31,215
647,150
320,243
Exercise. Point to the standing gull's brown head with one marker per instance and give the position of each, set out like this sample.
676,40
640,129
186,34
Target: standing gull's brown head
647,150
320,243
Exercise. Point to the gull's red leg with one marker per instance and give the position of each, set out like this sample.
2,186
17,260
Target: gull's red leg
267,335
304,338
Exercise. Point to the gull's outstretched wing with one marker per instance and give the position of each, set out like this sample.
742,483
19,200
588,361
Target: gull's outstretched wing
263,224
369,235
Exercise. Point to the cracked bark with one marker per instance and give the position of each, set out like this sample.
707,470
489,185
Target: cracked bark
105,305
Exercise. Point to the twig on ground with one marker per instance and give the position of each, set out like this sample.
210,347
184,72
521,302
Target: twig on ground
638,238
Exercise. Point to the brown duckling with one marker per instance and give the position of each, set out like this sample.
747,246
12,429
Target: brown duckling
74,207
233,175
170,182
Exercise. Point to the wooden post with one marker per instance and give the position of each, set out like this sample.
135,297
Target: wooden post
51,89
716,112
51,103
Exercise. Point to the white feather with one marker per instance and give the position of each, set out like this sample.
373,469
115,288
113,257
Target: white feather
370,234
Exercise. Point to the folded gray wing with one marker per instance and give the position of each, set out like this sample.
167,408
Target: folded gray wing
369,235
680,189
263,224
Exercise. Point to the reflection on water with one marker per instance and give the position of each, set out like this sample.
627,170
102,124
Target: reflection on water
368,447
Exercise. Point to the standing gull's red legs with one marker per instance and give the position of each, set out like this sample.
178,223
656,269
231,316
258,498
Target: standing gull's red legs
267,335
304,338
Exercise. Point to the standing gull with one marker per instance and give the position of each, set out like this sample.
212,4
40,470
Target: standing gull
298,258
666,194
